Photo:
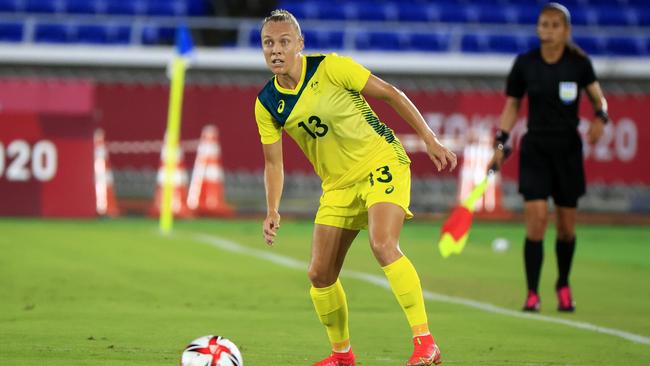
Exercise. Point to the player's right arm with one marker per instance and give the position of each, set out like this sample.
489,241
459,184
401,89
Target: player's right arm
273,183
271,138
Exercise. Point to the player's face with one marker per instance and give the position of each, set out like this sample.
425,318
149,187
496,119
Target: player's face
281,45
552,29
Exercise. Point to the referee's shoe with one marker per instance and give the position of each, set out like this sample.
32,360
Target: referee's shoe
533,302
564,300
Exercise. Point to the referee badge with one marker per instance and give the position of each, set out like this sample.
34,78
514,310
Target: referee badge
568,91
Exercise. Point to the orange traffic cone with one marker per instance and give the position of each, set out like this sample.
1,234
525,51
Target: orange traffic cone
179,180
104,192
206,194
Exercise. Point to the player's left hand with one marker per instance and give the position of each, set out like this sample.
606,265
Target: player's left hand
596,130
441,155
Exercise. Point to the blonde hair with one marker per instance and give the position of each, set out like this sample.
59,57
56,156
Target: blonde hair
281,15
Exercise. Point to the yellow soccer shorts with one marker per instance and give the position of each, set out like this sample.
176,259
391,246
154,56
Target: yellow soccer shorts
347,208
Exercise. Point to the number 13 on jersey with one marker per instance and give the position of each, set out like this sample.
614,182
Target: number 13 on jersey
319,127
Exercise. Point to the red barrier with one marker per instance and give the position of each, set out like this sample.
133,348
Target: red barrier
46,131
46,148
617,158
46,166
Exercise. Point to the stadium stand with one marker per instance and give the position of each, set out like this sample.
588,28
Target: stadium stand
11,32
602,27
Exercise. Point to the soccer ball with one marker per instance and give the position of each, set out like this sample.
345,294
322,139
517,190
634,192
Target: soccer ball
500,245
211,351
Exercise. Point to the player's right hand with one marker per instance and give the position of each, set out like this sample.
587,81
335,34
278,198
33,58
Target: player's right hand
497,160
270,227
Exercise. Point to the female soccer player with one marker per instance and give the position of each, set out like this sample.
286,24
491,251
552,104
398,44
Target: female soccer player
551,151
319,101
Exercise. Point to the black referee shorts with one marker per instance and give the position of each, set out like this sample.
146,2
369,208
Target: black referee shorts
551,165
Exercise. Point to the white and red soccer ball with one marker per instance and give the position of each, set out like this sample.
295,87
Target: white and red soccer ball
211,351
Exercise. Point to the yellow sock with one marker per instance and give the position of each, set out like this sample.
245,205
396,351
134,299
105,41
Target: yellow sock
332,309
405,283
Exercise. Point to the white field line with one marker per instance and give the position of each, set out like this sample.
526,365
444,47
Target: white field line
380,281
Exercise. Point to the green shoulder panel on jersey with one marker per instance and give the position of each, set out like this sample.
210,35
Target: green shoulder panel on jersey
279,104
380,128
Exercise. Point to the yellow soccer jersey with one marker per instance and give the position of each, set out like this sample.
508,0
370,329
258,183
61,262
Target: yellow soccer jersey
329,119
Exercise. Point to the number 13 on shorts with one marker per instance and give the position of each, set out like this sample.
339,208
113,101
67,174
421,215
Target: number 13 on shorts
390,183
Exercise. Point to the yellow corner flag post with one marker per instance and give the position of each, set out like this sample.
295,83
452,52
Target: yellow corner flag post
178,67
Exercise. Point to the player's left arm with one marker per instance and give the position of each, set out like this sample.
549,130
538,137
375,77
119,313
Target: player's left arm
601,117
379,89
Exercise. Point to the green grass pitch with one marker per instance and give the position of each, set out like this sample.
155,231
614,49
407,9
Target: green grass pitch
116,292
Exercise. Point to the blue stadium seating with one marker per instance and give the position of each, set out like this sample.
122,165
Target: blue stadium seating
410,13
40,6
196,7
639,2
379,41
10,6
82,7
614,16
370,11
332,11
473,43
526,13
644,17
254,39
592,45
607,2
133,7
100,34
430,42
11,32
153,34
302,10
323,40
493,14
505,43
54,33
598,13
581,15
167,8
451,13
624,46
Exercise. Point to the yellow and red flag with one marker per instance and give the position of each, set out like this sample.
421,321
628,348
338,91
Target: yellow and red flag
455,230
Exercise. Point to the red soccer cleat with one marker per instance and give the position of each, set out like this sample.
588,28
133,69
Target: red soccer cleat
425,352
564,300
338,359
532,302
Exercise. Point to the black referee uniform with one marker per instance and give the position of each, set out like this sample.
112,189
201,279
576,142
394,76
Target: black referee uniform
551,151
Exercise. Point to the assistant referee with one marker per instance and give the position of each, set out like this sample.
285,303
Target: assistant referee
551,161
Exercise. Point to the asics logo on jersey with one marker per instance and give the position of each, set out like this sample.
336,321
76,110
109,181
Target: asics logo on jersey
314,85
281,106
389,190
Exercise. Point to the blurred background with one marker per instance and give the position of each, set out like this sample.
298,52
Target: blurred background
69,68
